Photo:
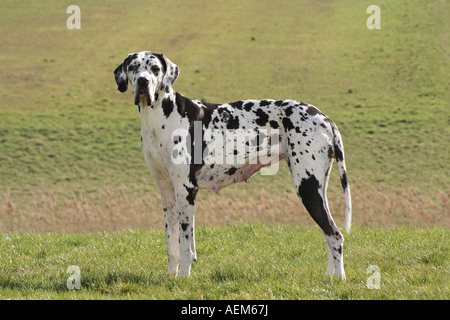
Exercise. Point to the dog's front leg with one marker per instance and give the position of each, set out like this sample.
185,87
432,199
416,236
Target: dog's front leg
185,201
171,225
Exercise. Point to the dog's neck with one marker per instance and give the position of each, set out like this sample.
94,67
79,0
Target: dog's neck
153,115
161,95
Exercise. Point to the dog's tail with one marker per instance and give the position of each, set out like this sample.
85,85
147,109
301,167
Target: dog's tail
339,155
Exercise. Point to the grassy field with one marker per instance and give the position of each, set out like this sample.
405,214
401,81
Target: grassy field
70,158
240,261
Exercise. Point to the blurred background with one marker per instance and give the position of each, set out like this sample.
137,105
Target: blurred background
70,150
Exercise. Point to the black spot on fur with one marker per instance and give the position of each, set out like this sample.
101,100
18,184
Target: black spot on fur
330,152
167,106
287,123
188,108
262,117
312,111
344,181
184,226
248,106
339,250
192,193
288,111
231,171
338,153
233,123
225,115
308,191
274,124
237,104
264,103
160,58
332,124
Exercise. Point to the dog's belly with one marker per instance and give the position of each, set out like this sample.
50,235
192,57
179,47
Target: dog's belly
218,176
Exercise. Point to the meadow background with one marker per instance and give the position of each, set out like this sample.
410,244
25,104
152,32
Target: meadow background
72,172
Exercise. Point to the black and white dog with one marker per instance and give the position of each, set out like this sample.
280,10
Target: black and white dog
190,144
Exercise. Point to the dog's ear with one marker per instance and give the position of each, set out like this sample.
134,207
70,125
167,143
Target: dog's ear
120,74
171,72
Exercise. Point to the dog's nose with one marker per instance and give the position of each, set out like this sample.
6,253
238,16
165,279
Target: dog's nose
142,82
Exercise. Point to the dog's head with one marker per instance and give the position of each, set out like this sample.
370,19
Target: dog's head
148,73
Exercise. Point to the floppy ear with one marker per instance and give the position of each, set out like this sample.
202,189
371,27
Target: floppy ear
171,72
120,74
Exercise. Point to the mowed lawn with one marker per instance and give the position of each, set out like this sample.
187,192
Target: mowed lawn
74,188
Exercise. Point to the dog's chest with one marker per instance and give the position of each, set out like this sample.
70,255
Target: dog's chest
155,141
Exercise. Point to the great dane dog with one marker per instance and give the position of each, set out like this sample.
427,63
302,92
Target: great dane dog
184,148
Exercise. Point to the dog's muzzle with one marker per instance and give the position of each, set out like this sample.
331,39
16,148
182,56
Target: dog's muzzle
142,91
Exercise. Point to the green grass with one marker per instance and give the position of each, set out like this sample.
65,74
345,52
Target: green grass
234,262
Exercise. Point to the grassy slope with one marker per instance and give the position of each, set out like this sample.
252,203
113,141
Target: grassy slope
63,121
65,130
234,263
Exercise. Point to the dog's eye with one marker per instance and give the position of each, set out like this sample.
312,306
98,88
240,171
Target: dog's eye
155,69
132,68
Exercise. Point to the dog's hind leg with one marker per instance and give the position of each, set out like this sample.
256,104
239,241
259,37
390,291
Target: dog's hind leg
310,184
